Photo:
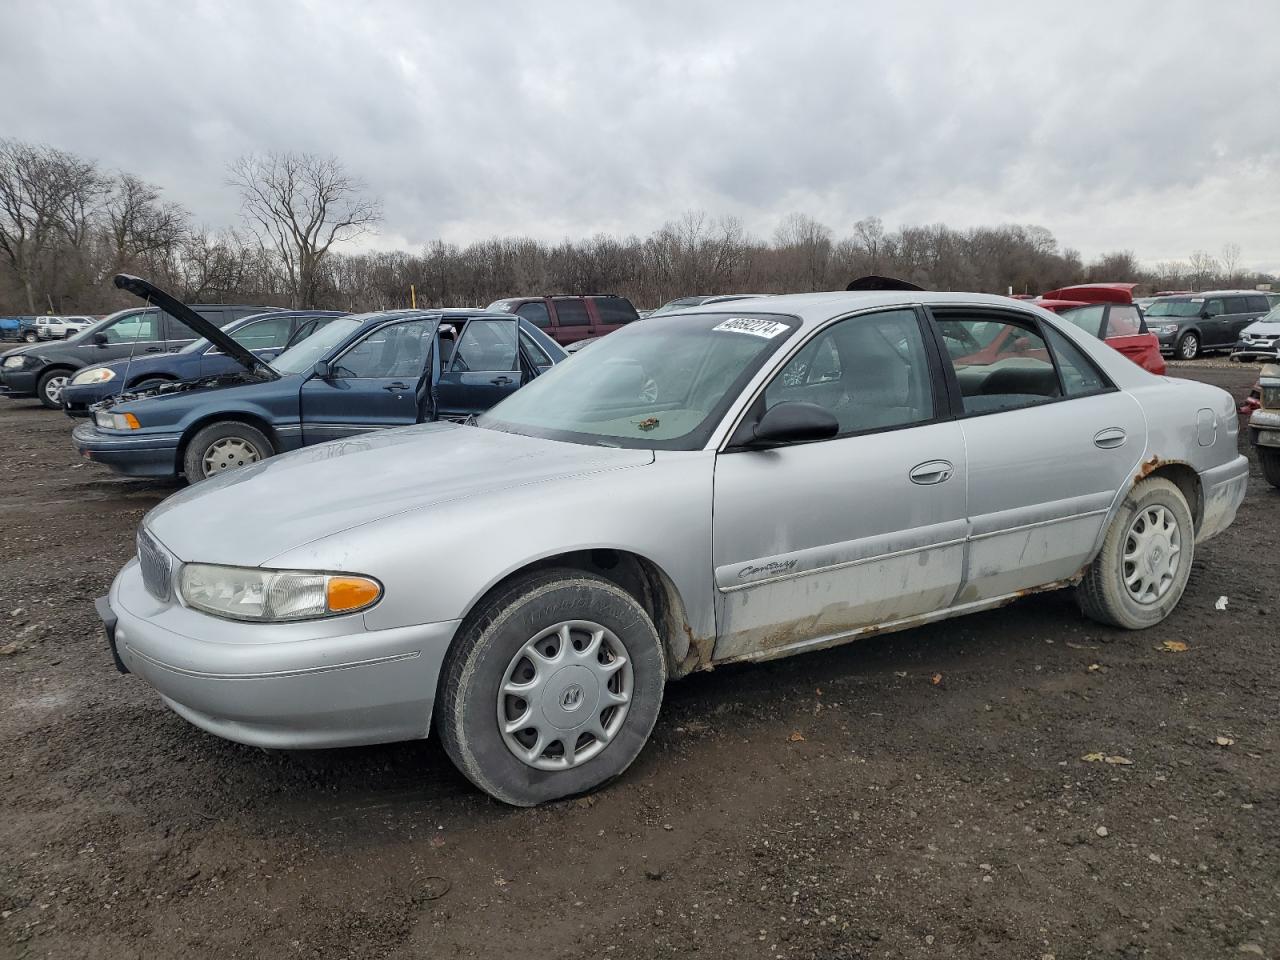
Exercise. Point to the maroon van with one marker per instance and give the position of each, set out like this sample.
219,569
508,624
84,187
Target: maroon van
569,319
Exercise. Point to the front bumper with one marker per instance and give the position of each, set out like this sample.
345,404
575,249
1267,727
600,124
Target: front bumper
76,400
18,383
328,683
1222,489
1264,428
1245,350
147,455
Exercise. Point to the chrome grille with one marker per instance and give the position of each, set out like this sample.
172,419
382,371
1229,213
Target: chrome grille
157,569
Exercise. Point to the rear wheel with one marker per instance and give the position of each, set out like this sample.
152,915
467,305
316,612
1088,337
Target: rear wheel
551,689
30,336
1139,574
1188,346
49,388
225,445
1270,460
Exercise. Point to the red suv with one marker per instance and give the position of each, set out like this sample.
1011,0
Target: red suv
569,319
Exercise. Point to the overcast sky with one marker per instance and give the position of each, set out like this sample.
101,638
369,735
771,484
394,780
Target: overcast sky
1151,126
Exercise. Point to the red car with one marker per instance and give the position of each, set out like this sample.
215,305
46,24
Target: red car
1107,311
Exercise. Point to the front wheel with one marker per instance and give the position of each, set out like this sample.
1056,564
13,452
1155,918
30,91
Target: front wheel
49,388
1139,574
1270,460
1189,346
30,336
551,688
222,446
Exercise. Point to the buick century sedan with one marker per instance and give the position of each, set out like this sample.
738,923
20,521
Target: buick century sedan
747,481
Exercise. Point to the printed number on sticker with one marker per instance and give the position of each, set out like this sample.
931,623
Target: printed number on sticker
757,328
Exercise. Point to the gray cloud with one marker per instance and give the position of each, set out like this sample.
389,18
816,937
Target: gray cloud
1150,126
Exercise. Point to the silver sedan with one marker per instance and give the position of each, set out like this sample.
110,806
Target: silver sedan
737,482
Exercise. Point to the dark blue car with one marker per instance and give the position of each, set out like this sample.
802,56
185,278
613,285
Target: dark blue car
359,373
265,334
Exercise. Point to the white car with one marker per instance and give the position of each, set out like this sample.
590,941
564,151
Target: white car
59,328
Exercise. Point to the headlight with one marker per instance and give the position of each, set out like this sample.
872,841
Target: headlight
13,363
1162,327
1271,398
116,421
93,375
249,593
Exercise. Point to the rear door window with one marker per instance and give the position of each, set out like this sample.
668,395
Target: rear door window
1079,375
488,345
1013,370
1088,319
264,334
615,309
572,313
537,356
1256,304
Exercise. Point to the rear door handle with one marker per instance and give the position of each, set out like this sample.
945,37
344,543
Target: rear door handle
396,387
500,381
932,471
1110,437
153,350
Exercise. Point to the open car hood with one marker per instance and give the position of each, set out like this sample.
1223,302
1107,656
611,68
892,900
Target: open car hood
210,331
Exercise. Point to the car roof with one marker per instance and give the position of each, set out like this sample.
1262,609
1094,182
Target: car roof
816,308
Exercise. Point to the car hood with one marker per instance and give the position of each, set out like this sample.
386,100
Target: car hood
255,513
144,402
1268,328
136,365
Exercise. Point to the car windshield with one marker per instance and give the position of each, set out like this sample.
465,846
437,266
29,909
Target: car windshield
1088,319
1175,308
662,384
302,357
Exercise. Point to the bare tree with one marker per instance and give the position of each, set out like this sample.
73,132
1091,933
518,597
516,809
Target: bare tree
47,199
1231,263
299,205
1203,268
138,223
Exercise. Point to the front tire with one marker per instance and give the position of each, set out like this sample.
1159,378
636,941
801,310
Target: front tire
1141,571
1188,346
225,445
30,336
1270,461
551,688
49,388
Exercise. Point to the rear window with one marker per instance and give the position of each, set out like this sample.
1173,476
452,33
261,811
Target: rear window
572,313
615,309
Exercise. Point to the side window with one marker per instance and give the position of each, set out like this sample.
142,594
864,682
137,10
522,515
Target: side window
1014,369
1213,307
871,371
486,345
536,313
615,309
572,313
1079,375
1123,321
535,352
1256,304
139,327
1088,319
264,334
398,350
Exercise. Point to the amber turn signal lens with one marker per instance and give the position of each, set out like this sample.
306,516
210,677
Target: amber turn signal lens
132,421
351,593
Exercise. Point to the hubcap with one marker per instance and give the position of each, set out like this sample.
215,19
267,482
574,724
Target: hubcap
565,694
53,388
227,454
1189,348
1152,552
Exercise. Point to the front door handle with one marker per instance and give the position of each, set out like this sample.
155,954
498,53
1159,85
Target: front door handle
500,381
1109,438
396,387
932,471
153,350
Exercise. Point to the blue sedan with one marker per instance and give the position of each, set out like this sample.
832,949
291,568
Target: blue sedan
359,373
266,334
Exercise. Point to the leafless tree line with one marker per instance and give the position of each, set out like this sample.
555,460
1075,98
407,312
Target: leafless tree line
66,227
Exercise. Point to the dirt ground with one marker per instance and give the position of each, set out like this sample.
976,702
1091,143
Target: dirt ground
836,805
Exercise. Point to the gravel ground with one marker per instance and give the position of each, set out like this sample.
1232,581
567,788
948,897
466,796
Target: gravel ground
922,794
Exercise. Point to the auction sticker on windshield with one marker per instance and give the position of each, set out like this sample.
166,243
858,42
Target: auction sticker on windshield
757,328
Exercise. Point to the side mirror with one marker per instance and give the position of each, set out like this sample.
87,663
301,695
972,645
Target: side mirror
795,421
100,339
1205,314
322,370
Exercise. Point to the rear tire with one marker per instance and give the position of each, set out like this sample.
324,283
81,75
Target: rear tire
1188,346
1270,460
30,336
1141,571
594,668
49,388
221,446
